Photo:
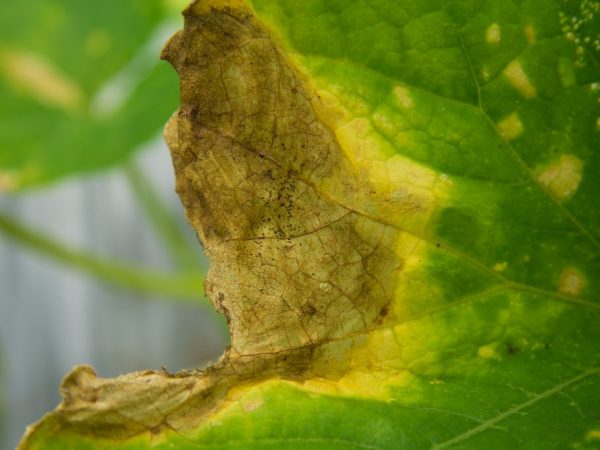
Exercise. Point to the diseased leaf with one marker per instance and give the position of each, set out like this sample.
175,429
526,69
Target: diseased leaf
398,202
80,86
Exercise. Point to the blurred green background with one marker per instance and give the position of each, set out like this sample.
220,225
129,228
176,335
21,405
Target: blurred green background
97,263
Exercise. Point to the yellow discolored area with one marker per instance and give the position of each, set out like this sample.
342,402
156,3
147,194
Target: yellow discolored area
390,186
356,383
403,97
500,266
39,78
488,352
485,73
366,383
493,34
510,127
519,80
593,435
395,190
530,34
566,72
561,177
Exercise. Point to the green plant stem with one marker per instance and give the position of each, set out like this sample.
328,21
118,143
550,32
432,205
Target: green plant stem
168,230
187,286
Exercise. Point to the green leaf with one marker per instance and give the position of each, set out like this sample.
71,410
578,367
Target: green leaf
398,202
80,85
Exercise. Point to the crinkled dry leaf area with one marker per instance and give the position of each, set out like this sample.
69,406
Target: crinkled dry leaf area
374,299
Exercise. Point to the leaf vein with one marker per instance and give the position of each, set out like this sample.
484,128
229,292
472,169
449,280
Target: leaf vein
514,410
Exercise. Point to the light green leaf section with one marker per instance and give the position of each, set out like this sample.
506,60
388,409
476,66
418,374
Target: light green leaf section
475,126
80,85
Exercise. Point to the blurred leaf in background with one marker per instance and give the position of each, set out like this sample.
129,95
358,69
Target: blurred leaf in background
81,84
83,88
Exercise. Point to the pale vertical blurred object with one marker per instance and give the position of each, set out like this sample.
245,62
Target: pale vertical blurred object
52,317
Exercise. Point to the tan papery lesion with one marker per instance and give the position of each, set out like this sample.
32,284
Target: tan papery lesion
250,154
300,276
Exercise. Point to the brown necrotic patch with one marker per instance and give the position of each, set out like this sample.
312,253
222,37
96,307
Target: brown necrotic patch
300,278
290,267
